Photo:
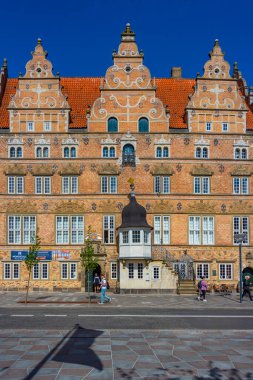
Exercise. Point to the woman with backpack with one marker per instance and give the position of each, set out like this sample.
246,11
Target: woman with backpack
103,288
96,283
202,287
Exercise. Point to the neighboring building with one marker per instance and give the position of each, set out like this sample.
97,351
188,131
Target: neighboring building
71,146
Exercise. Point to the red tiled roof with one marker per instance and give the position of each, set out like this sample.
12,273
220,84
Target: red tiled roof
82,92
175,92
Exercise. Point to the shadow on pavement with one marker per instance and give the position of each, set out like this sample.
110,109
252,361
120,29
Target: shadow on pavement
73,348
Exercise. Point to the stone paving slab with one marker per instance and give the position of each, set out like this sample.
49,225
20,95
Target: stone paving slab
80,300
131,355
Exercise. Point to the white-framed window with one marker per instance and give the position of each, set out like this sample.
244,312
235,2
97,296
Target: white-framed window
11,271
162,152
114,271
69,229
208,126
241,226
108,152
156,273
224,127
68,271
15,185
201,230
202,270
130,270
125,237
70,185
15,152
42,185
136,236
225,271
30,126
108,229
40,271
109,184
162,184
240,153
140,270
69,152
47,126
240,185
21,226
42,152
201,152
201,185
161,229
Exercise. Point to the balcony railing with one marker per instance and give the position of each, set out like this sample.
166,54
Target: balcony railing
128,159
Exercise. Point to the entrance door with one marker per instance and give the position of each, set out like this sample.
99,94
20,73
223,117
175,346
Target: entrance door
184,270
89,278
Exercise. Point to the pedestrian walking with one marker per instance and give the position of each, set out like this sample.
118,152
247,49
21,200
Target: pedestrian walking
246,287
103,288
199,289
96,283
203,289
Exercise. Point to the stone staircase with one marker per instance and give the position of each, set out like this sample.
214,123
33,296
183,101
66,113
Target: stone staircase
187,287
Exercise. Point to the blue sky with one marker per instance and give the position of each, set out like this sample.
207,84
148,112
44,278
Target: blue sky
80,35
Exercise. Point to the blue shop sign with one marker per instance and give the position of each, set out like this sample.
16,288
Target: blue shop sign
21,255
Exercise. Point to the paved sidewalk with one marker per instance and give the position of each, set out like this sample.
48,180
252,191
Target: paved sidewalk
130,355
42,299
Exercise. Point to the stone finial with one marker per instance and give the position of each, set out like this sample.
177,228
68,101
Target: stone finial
128,34
4,63
39,41
216,42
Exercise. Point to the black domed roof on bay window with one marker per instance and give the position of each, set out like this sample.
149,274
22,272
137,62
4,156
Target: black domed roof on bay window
133,214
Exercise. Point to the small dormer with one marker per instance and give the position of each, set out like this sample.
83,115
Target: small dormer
134,231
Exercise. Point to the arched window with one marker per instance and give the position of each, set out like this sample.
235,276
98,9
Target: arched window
112,124
39,152
128,157
143,125
66,152
46,152
105,151
198,152
12,152
244,153
159,152
112,151
237,153
166,152
73,152
205,153
19,152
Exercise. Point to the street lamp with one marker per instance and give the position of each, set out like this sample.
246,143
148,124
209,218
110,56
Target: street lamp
239,238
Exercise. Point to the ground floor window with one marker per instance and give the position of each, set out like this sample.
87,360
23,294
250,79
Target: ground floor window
40,271
202,270
11,271
130,270
225,271
114,271
68,271
140,270
156,273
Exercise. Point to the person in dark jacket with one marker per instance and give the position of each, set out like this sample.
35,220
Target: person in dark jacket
246,287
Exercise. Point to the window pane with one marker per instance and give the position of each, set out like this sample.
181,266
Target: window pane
73,271
112,152
165,152
143,125
125,237
105,152
73,152
38,185
11,185
157,185
158,152
74,185
166,185
104,184
112,124
47,185
205,181
136,236
7,270
130,270
157,230
140,270
197,185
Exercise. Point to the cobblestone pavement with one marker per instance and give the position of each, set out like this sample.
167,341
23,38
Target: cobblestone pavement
46,299
131,355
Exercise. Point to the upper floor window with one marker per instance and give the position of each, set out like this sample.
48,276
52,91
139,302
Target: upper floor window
241,226
161,229
43,185
128,155
224,127
108,229
70,185
201,152
21,229
143,125
15,152
30,126
201,185
42,152
208,126
108,184
240,153
69,152
112,124
162,152
162,184
240,185
47,126
69,229
109,152
201,230
15,185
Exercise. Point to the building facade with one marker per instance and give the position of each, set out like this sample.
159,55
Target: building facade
70,147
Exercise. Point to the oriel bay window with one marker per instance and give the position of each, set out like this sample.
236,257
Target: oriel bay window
201,230
21,229
69,229
161,229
